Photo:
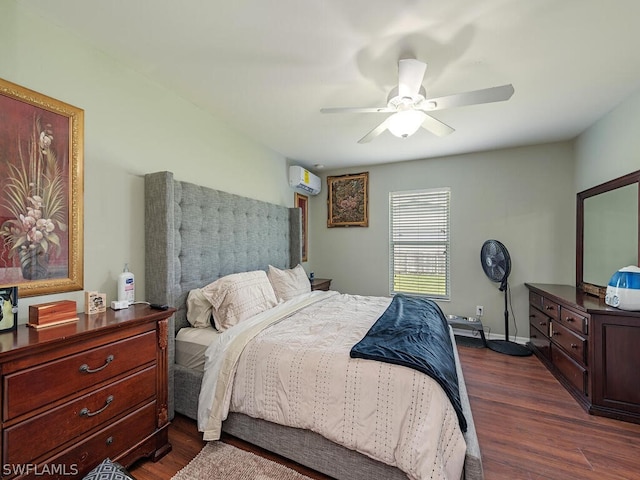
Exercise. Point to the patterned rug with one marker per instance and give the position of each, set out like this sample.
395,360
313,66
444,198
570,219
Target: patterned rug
220,460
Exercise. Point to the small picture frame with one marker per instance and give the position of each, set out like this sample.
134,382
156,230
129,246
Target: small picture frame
95,302
8,309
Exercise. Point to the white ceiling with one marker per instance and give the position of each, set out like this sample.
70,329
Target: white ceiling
268,66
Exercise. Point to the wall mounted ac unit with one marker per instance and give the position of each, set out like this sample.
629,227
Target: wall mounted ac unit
304,180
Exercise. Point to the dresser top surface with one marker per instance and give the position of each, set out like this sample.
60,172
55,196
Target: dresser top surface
110,320
577,298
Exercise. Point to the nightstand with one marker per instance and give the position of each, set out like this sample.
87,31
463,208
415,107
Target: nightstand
321,284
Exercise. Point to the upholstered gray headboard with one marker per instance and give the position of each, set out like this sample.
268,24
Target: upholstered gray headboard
195,235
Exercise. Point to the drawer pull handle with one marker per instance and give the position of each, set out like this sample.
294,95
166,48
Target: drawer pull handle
549,307
542,324
86,413
569,319
109,440
84,368
574,345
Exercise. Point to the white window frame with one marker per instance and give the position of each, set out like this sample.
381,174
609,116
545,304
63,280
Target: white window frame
419,263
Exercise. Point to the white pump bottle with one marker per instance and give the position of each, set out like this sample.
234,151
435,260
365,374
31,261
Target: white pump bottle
126,286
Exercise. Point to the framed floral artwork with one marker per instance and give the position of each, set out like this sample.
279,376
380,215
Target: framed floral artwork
348,200
302,202
41,192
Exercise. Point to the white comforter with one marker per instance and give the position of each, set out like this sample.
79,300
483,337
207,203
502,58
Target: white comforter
298,372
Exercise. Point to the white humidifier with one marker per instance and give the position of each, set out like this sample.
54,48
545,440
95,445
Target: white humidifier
623,290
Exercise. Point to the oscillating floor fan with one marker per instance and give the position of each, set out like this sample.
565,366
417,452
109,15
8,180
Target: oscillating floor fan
496,264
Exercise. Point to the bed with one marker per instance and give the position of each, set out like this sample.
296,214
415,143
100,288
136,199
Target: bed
195,235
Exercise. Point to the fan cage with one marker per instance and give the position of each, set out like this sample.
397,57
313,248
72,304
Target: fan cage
495,260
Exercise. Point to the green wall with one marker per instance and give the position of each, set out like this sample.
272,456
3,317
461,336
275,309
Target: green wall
522,197
133,126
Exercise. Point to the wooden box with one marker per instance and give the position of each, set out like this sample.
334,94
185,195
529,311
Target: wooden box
52,313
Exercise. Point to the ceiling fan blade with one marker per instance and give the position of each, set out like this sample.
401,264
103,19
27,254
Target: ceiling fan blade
410,76
436,127
357,110
487,95
375,132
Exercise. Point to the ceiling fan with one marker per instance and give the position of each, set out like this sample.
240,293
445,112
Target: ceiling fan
410,108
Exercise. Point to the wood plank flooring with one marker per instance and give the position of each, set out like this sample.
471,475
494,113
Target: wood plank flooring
528,426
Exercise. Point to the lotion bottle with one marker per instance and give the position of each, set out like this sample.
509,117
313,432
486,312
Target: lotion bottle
126,286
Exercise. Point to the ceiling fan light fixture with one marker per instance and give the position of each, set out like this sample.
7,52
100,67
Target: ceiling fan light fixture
405,123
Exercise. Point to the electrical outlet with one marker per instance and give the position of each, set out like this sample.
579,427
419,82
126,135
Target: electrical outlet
479,310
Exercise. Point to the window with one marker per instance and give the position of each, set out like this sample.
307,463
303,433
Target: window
419,242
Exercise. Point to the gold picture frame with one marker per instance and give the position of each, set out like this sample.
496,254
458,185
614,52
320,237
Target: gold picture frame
302,202
41,192
348,200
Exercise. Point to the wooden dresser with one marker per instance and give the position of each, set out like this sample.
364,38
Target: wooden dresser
75,394
591,348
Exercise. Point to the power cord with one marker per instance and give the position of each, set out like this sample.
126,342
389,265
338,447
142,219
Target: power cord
486,330
155,306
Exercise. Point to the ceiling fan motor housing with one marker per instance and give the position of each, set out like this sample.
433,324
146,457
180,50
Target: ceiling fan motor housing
399,102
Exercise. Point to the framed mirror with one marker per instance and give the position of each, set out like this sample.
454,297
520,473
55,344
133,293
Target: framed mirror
608,226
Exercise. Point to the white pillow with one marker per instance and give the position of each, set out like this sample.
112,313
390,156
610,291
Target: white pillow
289,283
239,296
199,309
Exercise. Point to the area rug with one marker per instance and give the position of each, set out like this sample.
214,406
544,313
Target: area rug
220,460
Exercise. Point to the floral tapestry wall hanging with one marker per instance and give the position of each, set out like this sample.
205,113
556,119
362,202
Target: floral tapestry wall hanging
348,200
41,196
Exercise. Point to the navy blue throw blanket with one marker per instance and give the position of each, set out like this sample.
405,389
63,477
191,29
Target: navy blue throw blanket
413,332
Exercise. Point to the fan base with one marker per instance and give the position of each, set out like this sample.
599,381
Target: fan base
509,348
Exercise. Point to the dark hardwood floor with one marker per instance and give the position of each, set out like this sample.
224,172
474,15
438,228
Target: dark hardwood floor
528,426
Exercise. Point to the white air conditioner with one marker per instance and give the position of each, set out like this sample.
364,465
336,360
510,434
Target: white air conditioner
304,180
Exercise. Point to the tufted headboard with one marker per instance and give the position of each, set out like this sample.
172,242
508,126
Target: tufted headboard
195,235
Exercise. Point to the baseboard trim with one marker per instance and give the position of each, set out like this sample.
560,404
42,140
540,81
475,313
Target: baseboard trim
495,336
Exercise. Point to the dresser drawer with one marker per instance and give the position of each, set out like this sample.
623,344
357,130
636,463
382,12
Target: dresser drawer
540,341
574,344
59,425
535,299
550,307
539,320
108,443
574,373
31,388
573,320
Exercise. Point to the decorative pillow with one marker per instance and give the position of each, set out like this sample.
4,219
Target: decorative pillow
199,309
239,296
108,470
289,283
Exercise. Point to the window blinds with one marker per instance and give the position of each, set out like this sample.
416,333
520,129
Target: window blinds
419,242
